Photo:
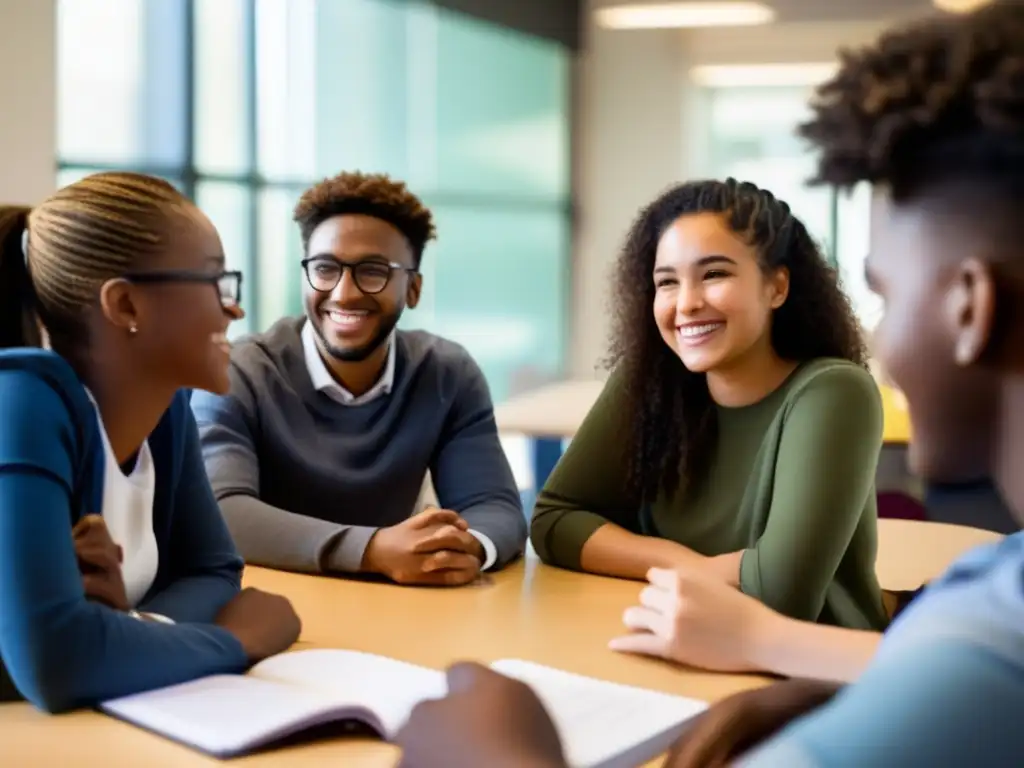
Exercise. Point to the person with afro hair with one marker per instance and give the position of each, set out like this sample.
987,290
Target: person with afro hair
334,419
932,115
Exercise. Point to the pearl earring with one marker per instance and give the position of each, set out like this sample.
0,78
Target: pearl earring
133,329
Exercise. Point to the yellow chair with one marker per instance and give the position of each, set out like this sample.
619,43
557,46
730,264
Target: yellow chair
896,427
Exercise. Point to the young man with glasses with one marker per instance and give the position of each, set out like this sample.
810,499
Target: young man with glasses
319,453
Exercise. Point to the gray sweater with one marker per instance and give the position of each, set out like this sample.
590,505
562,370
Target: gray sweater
304,481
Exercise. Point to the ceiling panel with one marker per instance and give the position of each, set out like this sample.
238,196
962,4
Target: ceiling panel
855,10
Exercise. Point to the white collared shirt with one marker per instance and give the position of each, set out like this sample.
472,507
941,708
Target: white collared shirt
324,382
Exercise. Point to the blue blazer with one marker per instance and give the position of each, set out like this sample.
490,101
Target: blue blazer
60,650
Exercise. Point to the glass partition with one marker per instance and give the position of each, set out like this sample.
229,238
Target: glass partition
244,103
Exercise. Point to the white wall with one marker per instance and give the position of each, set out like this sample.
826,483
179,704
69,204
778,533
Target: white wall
28,69
640,128
628,148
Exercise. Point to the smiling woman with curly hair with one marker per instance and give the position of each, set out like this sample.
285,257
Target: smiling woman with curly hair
740,429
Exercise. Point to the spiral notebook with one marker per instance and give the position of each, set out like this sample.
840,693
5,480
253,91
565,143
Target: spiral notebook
602,724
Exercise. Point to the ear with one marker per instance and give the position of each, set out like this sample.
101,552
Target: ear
412,293
969,310
778,284
119,305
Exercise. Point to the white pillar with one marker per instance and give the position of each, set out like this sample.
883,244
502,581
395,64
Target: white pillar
629,145
28,101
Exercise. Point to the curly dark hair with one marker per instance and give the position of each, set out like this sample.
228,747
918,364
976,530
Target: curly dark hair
371,194
669,410
934,101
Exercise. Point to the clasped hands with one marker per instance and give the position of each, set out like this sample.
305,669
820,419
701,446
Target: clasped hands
433,548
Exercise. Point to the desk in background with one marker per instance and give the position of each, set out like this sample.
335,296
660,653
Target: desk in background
553,413
528,611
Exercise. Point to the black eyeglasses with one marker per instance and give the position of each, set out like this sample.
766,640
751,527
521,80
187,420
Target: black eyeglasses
228,283
371,275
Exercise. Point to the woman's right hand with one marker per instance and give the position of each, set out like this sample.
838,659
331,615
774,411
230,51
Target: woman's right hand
264,624
99,561
692,617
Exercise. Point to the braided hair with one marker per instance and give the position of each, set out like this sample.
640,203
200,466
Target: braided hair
56,256
669,411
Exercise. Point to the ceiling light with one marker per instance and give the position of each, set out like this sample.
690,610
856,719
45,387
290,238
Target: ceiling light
677,15
959,6
762,75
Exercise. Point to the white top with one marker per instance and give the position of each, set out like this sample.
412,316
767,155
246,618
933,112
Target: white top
128,514
324,382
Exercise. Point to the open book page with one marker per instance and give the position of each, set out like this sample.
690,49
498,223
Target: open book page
230,714
224,714
387,687
602,725
598,721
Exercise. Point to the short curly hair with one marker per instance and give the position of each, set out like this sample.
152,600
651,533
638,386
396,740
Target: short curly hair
669,410
936,101
370,194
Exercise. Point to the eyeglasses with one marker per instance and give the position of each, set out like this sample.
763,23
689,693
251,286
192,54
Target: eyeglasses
228,284
371,276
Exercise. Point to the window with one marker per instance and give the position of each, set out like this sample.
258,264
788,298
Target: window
229,206
500,126
279,257
244,103
223,134
495,282
129,106
854,227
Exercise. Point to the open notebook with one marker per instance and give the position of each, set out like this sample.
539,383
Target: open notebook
603,725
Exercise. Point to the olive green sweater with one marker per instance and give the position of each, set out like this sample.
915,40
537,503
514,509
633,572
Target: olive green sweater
791,484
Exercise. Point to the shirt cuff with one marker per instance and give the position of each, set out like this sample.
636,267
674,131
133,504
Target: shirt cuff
750,574
159,618
490,551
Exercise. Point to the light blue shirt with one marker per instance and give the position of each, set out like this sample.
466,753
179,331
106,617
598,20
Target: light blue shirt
945,689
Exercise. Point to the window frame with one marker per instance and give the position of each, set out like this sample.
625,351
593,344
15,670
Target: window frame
190,177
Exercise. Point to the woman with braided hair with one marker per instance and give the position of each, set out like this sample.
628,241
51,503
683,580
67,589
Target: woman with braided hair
117,573
740,429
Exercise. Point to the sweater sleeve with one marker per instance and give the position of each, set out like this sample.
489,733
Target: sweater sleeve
824,478
586,490
61,650
204,568
471,473
265,535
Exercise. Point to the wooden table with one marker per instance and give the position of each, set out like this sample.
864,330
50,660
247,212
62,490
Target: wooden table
911,552
529,611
